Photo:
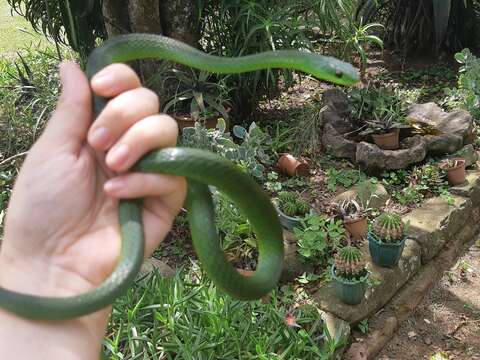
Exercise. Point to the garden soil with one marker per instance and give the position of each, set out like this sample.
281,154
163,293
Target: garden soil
447,323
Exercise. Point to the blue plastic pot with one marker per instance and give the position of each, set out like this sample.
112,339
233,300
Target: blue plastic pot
350,292
385,254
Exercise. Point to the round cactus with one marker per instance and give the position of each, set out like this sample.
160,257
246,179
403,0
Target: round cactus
349,263
302,207
389,227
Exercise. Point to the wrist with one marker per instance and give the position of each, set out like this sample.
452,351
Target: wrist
78,338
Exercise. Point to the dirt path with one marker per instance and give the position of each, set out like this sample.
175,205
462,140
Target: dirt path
447,323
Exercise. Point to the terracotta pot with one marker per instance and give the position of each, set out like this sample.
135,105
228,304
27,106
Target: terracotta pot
388,141
457,174
289,165
184,121
358,228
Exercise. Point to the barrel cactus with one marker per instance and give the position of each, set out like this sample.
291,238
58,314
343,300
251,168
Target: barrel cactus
389,228
349,263
291,205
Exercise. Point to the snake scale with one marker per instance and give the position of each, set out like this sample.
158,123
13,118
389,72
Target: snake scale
201,168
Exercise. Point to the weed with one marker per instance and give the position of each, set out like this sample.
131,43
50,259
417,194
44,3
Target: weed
319,238
345,178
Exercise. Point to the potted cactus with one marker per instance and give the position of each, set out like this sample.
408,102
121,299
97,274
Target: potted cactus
386,239
349,275
354,218
455,169
291,209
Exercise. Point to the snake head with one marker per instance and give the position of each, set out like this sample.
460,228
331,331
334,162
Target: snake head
331,69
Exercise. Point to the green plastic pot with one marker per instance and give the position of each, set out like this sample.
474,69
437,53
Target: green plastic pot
385,254
350,292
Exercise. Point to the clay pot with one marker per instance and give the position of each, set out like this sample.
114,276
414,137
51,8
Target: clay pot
289,165
184,121
388,141
358,228
457,174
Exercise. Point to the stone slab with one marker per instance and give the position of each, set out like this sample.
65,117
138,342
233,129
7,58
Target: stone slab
384,284
293,266
436,222
470,188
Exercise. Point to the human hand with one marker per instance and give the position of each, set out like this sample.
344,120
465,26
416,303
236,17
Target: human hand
62,234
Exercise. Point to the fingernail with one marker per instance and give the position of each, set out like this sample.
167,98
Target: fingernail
114,186
104,80
99,137
118,155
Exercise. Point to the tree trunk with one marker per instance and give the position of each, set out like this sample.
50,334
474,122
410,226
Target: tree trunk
180,20
116,17
173,18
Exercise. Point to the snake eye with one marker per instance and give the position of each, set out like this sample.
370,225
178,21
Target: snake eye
339,73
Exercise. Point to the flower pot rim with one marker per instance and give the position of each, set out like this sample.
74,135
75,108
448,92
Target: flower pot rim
350,282
352,221
388,134
462,160
374,238
295,218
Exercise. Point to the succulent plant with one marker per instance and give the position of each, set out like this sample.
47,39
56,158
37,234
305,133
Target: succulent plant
349,263
350,209
388,227
291,205
451,163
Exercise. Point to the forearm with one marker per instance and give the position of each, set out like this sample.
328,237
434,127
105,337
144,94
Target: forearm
24,339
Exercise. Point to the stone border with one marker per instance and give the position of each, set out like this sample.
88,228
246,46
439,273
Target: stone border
437,234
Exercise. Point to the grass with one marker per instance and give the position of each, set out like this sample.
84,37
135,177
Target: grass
16,32
188,318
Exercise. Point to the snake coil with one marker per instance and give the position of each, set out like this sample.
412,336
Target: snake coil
201,168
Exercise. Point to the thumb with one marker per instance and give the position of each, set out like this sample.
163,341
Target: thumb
73,115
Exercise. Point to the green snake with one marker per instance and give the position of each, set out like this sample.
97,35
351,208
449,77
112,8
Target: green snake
201,168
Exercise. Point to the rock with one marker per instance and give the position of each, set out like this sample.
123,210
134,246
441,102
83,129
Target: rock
153,264
470,188
373,159
336,143
456,127
383,284
338,330
436,222
337,101
293,265
378,198
470,154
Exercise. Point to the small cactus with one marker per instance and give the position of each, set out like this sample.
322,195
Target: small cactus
291,205
349,263
389,227
290,208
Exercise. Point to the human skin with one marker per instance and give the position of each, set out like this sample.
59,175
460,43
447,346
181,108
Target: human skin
61,233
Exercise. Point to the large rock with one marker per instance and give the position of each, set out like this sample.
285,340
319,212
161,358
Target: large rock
437,222
337,144
379,196
456,127
336,100
371,158
384,283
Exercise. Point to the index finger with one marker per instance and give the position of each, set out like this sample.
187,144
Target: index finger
114,80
